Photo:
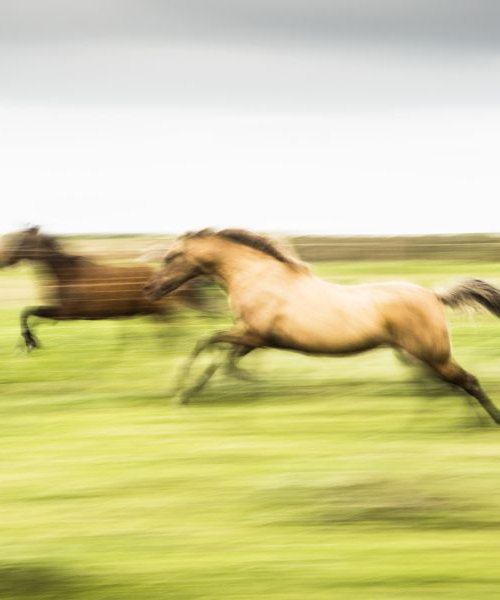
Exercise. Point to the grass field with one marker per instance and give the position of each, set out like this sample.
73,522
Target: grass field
347,478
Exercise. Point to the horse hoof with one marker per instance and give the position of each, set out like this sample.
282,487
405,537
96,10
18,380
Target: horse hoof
180,399
30,341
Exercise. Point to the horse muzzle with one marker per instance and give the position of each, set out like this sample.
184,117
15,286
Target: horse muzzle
156,290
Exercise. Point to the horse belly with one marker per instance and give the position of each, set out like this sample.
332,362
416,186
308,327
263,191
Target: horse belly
333,332
105,300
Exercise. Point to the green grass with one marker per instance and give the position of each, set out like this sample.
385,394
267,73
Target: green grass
347,478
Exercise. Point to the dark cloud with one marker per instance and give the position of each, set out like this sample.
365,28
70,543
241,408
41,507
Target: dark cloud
468,23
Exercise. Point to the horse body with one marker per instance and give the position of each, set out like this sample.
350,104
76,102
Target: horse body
299,311
278,302
87,290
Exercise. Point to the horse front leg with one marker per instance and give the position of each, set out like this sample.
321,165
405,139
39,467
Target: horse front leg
232,368
46,312
242,344
188,365
186,395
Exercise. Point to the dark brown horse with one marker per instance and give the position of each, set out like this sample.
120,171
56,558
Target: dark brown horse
84,289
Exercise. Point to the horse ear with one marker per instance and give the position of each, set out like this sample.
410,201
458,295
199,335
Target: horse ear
34,230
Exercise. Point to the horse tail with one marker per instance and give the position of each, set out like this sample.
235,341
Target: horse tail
472,293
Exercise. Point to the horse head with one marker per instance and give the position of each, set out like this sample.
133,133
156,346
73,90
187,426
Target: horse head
179,266
28,244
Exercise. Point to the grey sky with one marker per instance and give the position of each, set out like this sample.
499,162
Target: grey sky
230,110
439,22
254,55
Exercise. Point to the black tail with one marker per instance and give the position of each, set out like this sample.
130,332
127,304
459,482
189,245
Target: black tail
472,293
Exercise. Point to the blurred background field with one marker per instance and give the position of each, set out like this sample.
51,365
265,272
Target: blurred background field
325,478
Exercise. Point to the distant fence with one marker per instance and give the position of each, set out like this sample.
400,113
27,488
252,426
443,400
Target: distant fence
466,247
477,247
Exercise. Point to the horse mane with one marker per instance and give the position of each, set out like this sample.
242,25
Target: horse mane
52,244
252,240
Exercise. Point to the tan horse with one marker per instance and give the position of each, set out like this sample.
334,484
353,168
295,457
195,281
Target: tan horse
279,303
85,289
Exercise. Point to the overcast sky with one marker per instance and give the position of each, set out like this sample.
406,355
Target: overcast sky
337,116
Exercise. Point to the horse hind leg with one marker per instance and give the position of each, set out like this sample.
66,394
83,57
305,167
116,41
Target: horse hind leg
453,373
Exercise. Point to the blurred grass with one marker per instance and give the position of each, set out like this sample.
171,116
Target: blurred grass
328,478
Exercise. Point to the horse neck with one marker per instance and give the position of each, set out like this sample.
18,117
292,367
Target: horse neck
234,265
59,264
